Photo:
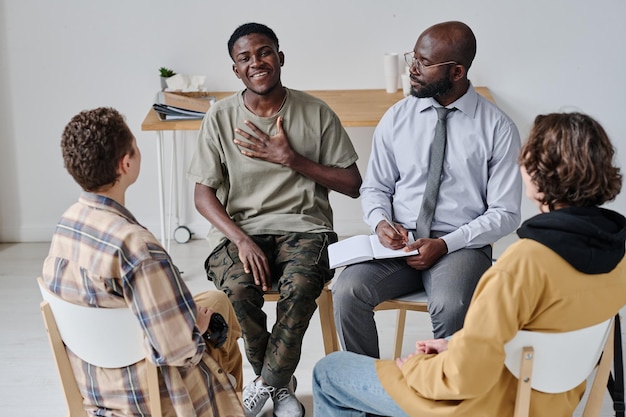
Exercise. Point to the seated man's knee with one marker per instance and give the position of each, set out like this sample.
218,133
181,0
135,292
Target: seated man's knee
212,299
340,294
240,287
350,288
301,286
344,285
218,301
447,316
325,366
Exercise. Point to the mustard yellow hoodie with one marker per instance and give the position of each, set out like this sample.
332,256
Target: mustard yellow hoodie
533,286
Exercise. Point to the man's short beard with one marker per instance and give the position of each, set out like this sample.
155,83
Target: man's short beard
435,89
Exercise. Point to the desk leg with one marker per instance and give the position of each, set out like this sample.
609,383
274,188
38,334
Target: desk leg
173,193
161,190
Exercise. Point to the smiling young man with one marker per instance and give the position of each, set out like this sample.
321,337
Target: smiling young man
478,199
265,162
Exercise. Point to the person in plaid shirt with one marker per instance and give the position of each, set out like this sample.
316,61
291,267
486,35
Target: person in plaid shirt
100,256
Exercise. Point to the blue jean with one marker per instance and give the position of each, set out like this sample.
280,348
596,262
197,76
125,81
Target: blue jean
345,384
449,284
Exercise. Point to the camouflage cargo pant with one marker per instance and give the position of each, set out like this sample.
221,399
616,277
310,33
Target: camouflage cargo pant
299,266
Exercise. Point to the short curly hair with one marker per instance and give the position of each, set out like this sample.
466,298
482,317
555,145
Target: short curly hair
93,143
249,29
569,157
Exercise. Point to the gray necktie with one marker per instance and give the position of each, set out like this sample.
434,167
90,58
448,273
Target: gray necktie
435,166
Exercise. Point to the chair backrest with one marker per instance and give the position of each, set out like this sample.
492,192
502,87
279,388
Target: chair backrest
558,362
104,337
561,360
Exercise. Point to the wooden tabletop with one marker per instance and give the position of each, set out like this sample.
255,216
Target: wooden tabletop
355,108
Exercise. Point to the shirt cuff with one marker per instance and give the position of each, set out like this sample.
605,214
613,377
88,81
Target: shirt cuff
377,216
454,240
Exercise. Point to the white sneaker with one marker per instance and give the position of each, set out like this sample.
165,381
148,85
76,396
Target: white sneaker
285,402
255,395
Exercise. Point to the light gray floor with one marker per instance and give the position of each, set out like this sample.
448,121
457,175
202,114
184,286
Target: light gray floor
29,385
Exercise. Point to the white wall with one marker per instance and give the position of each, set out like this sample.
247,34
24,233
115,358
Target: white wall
61,57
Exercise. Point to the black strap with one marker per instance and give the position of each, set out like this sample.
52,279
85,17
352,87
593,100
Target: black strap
616,385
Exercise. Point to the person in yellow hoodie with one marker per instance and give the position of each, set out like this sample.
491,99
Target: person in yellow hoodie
566,272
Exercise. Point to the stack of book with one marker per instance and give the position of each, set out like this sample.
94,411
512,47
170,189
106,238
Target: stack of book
178,106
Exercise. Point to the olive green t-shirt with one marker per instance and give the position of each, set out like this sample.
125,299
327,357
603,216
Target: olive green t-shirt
262,197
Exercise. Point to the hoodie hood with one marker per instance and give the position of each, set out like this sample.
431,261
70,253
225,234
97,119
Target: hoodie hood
591,239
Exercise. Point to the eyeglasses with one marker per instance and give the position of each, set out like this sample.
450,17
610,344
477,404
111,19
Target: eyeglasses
410,59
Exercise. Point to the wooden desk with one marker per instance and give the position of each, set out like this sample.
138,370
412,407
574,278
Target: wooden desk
355,108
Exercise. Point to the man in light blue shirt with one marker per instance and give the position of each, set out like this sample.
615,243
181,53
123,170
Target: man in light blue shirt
478,200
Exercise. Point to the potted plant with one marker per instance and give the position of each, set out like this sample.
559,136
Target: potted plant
165,74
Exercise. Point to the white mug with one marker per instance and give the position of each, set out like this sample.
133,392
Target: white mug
390,62
406,84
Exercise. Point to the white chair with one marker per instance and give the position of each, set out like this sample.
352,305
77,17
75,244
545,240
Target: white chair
104,337
558,362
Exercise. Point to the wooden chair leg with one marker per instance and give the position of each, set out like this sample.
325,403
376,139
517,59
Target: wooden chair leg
598,388
327,321
401,321
73,397
153,388
522,400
